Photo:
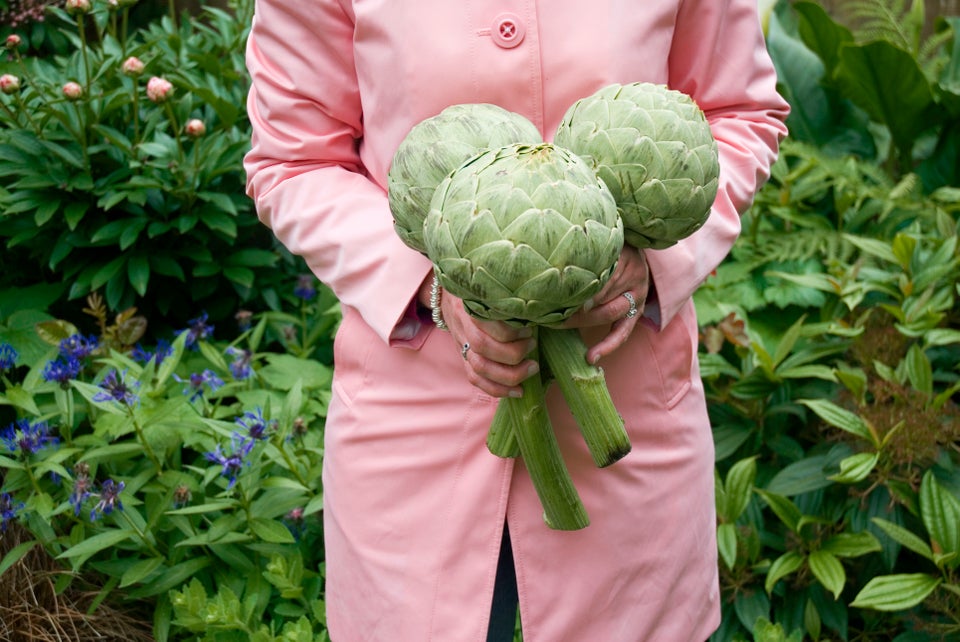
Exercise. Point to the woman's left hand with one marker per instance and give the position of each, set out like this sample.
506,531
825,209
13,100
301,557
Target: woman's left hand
619,304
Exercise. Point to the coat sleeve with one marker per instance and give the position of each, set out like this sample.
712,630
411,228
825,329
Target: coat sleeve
304,169
719,57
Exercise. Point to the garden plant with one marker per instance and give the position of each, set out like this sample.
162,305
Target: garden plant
165,367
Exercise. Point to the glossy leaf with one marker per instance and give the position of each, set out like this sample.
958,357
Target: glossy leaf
896,592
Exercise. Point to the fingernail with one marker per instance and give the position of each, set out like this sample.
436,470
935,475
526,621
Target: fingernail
516,394
594,360
533,369
525,333
588,305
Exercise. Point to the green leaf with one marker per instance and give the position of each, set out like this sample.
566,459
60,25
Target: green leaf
896,592
783,566
788,513
801,477
888,84
82,551
840,418
138,271
821,34
739,487
17,396
828,570
271,531
919,370
904,537
727,544
139,570
16,554
941,515
202,509
851,544
856,468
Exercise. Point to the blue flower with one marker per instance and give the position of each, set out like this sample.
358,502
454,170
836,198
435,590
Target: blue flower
198,380
82,487
256,426
197,330
114,387
305,288
27,437
109,499
8,356
8,510
78,346
231,464
141,355
240,367
62,370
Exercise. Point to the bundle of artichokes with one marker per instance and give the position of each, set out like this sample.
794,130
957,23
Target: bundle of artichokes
525,232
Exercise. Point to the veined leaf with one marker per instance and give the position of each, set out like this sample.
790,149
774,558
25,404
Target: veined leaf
856,468
783,566
940,511
896,592
828,570
840,418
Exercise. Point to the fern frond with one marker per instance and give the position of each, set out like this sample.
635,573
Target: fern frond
888,20
799,245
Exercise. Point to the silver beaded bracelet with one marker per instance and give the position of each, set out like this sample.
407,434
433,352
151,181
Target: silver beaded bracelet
435,312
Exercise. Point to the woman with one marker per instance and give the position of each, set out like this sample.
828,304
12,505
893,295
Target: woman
415,506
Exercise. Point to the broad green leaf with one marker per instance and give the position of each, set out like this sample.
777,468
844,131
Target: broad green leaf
17,396
82,551
821,34
750,606
727,544
171,578
856,468
786,510
840,418
271,531
888,84
739,487
828,570
851,544
15,554
786,564
904,537
896,592
919,370
940,511
801,477
873,247
138,271
139,570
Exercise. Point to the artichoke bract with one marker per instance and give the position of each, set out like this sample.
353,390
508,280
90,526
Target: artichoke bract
523,234
653,147
436,146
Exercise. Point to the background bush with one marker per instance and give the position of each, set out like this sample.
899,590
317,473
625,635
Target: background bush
176,467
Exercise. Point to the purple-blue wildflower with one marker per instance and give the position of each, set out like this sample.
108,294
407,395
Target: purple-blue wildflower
255,425
197,330
27,437
305,288
109,499
62,370
8,356
197,380
8,510
296,522
78,346
114,387
240,367
231,464
82,487
181,496
142,355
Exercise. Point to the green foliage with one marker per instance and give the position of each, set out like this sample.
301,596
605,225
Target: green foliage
831,358
118,189
176,472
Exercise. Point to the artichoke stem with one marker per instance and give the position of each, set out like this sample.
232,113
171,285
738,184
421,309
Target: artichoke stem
562,507
585,390
501,440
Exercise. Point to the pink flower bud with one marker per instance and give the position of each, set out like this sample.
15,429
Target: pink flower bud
78,7
9,84
132,66
195,128
72,90
13,41
159,89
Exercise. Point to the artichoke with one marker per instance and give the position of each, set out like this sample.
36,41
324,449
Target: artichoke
436,146
523,234
652,146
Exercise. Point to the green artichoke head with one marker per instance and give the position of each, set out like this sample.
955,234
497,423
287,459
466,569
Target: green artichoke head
652,146
436,146
523,234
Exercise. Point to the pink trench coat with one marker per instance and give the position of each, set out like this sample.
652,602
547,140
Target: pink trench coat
414,502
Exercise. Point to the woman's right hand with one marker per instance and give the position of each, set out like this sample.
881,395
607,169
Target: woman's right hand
494,353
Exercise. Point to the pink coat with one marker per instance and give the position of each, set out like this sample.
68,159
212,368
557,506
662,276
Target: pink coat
414,502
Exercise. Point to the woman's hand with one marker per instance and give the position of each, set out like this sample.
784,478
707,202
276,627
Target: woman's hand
612,305
496,359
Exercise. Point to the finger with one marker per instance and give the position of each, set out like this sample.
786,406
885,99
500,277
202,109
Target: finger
498,379
619,333
503,332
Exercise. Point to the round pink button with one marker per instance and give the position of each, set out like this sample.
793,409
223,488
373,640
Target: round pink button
507,30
